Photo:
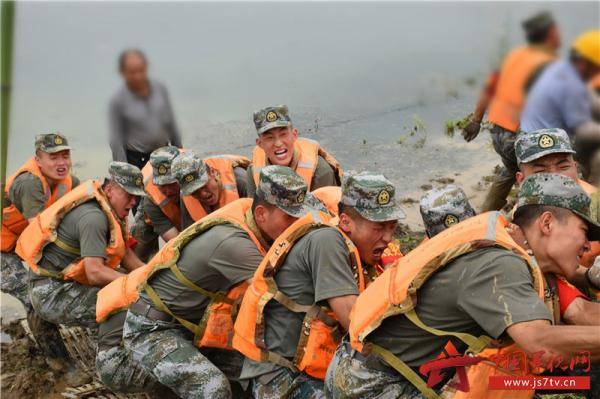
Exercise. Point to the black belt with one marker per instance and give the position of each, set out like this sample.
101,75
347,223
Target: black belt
142,309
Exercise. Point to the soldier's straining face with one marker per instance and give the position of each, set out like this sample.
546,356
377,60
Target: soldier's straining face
120,200
169,190
272,221
278,144
566,243
56,166
562,164
209,194
370,238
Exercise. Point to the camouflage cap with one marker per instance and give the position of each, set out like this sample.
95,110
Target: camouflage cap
561,191
444,207
161,160
51,143
538,22
191,172
128,177
372,195
284,188
530,146
271,117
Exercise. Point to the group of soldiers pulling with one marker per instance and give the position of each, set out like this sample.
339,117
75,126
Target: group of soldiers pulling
279,276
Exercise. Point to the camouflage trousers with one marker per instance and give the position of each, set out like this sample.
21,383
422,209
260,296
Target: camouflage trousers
289,385
350,377
147,239
165,350
15,278
64,302
120,374
504,144
15,281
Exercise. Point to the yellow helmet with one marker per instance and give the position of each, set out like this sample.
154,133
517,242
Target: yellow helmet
588,46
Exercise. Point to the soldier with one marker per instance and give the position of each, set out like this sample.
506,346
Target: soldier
313,273
36,185
444,207
505,93
188,288
472,280
209,184
278,144
73,247
160,213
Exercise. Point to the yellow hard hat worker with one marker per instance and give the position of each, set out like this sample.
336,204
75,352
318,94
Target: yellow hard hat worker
587,45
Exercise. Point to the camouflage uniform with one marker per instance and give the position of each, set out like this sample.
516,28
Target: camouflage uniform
539,143
373,197
146,237
163,347
69,302
14,279
443,207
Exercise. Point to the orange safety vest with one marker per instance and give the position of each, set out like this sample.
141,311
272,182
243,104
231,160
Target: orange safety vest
395,292
216,327
224,164
509,97
43,231
168,206
13,221
308,156
321,332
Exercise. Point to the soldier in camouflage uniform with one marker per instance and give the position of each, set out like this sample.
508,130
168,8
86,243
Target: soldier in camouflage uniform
215,260
488,291
318,270
278,138
206,188
27,195
150,221
444,207
85,228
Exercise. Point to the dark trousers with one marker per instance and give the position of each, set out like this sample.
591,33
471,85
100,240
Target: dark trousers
138,159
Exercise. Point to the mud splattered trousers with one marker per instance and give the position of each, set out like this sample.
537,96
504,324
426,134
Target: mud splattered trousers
288,384
64,302
350,375
166,350
504,144
147,239
15,281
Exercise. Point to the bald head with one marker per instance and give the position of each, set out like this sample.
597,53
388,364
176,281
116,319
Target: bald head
134,69
132,55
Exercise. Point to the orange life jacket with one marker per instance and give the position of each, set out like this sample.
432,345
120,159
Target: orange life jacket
168,206
13,221
43,231
224,164
321,332
308,156
395,292
509,97
216,327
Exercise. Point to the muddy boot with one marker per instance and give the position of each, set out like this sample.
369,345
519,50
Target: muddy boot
47,338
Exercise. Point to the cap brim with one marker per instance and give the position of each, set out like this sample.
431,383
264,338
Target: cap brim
272,125
384,214
134,190
544,153
593,227
57,149
164,179
309,205
190,188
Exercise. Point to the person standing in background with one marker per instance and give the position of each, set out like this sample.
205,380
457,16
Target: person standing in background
140,115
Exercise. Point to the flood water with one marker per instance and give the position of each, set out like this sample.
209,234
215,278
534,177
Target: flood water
356,76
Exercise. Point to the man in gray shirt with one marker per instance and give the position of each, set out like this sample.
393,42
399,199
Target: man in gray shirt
141,117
